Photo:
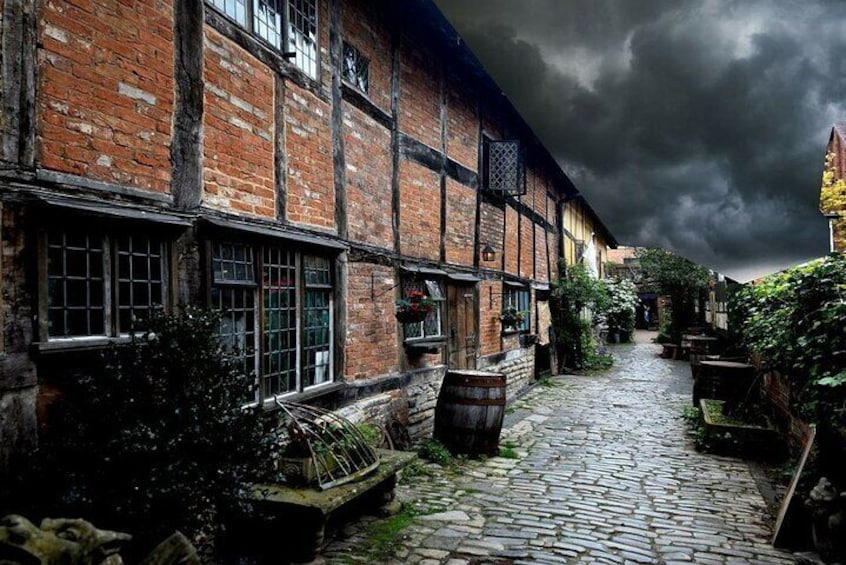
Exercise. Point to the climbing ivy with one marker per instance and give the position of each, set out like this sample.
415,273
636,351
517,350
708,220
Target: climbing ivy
796,322
576,294
833,191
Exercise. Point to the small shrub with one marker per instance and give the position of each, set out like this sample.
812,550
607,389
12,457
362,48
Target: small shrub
436,452
506,451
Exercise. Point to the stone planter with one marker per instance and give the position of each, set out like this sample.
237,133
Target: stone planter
726,434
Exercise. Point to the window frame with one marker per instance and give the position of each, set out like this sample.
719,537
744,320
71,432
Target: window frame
269,387
519,297
110,237
289,51
485,148
361,64
439,313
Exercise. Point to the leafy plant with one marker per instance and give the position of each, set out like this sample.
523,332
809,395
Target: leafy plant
414,307
436,452
794,322
511,317
507,451
155,439
680,279
574,296
622,305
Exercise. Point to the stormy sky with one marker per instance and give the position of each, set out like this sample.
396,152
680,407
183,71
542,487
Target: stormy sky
695,125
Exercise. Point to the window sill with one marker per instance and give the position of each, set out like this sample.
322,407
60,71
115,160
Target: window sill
77,344
425,345
302,397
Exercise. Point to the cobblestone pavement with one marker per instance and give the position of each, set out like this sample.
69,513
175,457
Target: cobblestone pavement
604,474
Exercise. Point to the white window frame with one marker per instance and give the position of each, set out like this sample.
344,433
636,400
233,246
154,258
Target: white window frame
520,298
303,46
417,331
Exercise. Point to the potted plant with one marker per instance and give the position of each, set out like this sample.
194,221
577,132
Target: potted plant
511,317
414,307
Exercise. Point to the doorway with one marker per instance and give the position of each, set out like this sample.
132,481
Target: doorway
461,324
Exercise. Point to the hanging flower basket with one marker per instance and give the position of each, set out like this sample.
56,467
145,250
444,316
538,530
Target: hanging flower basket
511,317
414,307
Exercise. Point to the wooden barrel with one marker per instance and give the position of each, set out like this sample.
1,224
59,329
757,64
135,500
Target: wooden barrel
469,412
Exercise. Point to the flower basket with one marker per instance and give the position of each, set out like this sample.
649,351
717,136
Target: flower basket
511,317
414,308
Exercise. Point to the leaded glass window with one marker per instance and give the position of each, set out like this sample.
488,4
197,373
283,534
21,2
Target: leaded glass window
356,68
102,283
285,336
431,327
302,34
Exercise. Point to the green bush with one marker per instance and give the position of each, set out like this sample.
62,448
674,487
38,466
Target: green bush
575,293
156,439
436,452
795,322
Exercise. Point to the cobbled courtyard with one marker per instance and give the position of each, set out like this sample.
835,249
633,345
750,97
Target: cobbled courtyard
604,473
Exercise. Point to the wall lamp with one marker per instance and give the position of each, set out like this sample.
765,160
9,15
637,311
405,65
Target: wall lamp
488,253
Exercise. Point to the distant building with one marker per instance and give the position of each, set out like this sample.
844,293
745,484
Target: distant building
833,190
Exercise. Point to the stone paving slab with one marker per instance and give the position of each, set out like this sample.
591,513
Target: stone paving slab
605,474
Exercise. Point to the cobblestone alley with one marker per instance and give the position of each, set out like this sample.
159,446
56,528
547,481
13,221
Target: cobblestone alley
604,474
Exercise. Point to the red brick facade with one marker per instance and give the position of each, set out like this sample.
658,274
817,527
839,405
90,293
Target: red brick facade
352,194
238,145
105,83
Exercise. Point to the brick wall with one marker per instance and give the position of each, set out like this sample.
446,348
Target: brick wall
490,307
238,120
541,266
310,177
511,235
365,29
105,90
461,220
371,336
420,95
462,123
491,221
777,389
367,147
527,247
420,211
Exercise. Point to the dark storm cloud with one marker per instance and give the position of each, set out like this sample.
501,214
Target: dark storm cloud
696,125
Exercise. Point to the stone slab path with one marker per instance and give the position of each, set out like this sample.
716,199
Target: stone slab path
604,474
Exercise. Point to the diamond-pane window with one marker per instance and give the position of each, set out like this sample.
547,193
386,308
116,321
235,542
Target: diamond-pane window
431,327
356,68
504,167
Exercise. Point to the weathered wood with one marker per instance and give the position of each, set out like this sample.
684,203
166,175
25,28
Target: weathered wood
339,164
186,150
395,133
363,103
442,172
280,156
337,117
786,522
469,411
18,81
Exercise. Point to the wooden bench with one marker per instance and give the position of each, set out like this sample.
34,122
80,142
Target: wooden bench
288,524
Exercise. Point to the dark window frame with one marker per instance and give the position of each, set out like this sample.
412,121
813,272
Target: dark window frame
116,249
280,314
503,149
520,298
355,68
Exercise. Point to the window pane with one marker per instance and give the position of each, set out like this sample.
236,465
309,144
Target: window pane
235,9
232,262
267,20
302,34
316,329
75,285
355,69
237,325
279,356
431,326
316,270
140,288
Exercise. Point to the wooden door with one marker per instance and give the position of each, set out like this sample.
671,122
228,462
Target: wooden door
461,325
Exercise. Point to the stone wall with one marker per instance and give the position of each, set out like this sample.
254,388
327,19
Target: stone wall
518,367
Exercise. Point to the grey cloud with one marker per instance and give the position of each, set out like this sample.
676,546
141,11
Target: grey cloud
696,125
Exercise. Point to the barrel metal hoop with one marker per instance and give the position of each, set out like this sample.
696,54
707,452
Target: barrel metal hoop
478,401
479,382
